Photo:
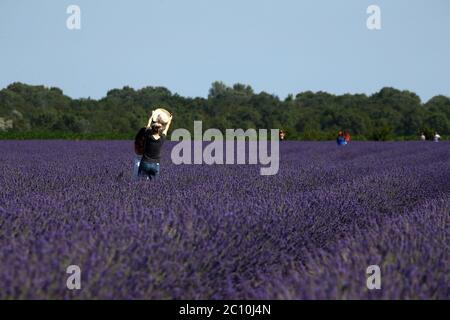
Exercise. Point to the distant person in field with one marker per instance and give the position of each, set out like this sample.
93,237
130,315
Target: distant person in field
347,136
437,137
423,137
282,135
149,141
341,139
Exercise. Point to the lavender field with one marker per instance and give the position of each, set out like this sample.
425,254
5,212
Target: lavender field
225,232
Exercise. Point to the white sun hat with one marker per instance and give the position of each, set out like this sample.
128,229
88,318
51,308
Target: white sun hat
161,115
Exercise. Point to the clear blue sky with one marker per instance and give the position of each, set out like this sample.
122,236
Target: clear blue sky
279,46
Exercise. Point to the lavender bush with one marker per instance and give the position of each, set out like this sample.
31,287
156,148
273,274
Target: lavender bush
225,232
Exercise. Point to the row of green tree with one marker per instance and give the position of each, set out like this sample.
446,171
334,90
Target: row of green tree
38,111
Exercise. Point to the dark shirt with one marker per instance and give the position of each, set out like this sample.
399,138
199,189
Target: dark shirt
152,147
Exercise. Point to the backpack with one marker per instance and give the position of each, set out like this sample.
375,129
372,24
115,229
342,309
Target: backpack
139,142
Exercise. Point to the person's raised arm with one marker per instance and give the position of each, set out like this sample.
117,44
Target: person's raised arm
168,125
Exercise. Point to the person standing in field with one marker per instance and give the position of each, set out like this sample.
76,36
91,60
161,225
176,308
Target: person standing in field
149,142
282,135
341,139
347,136
437,137
422,137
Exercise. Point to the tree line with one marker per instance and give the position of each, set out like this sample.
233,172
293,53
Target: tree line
390,114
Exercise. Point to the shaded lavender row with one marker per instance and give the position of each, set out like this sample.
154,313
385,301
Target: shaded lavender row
212,232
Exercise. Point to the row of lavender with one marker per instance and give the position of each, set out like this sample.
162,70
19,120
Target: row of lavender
203,232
